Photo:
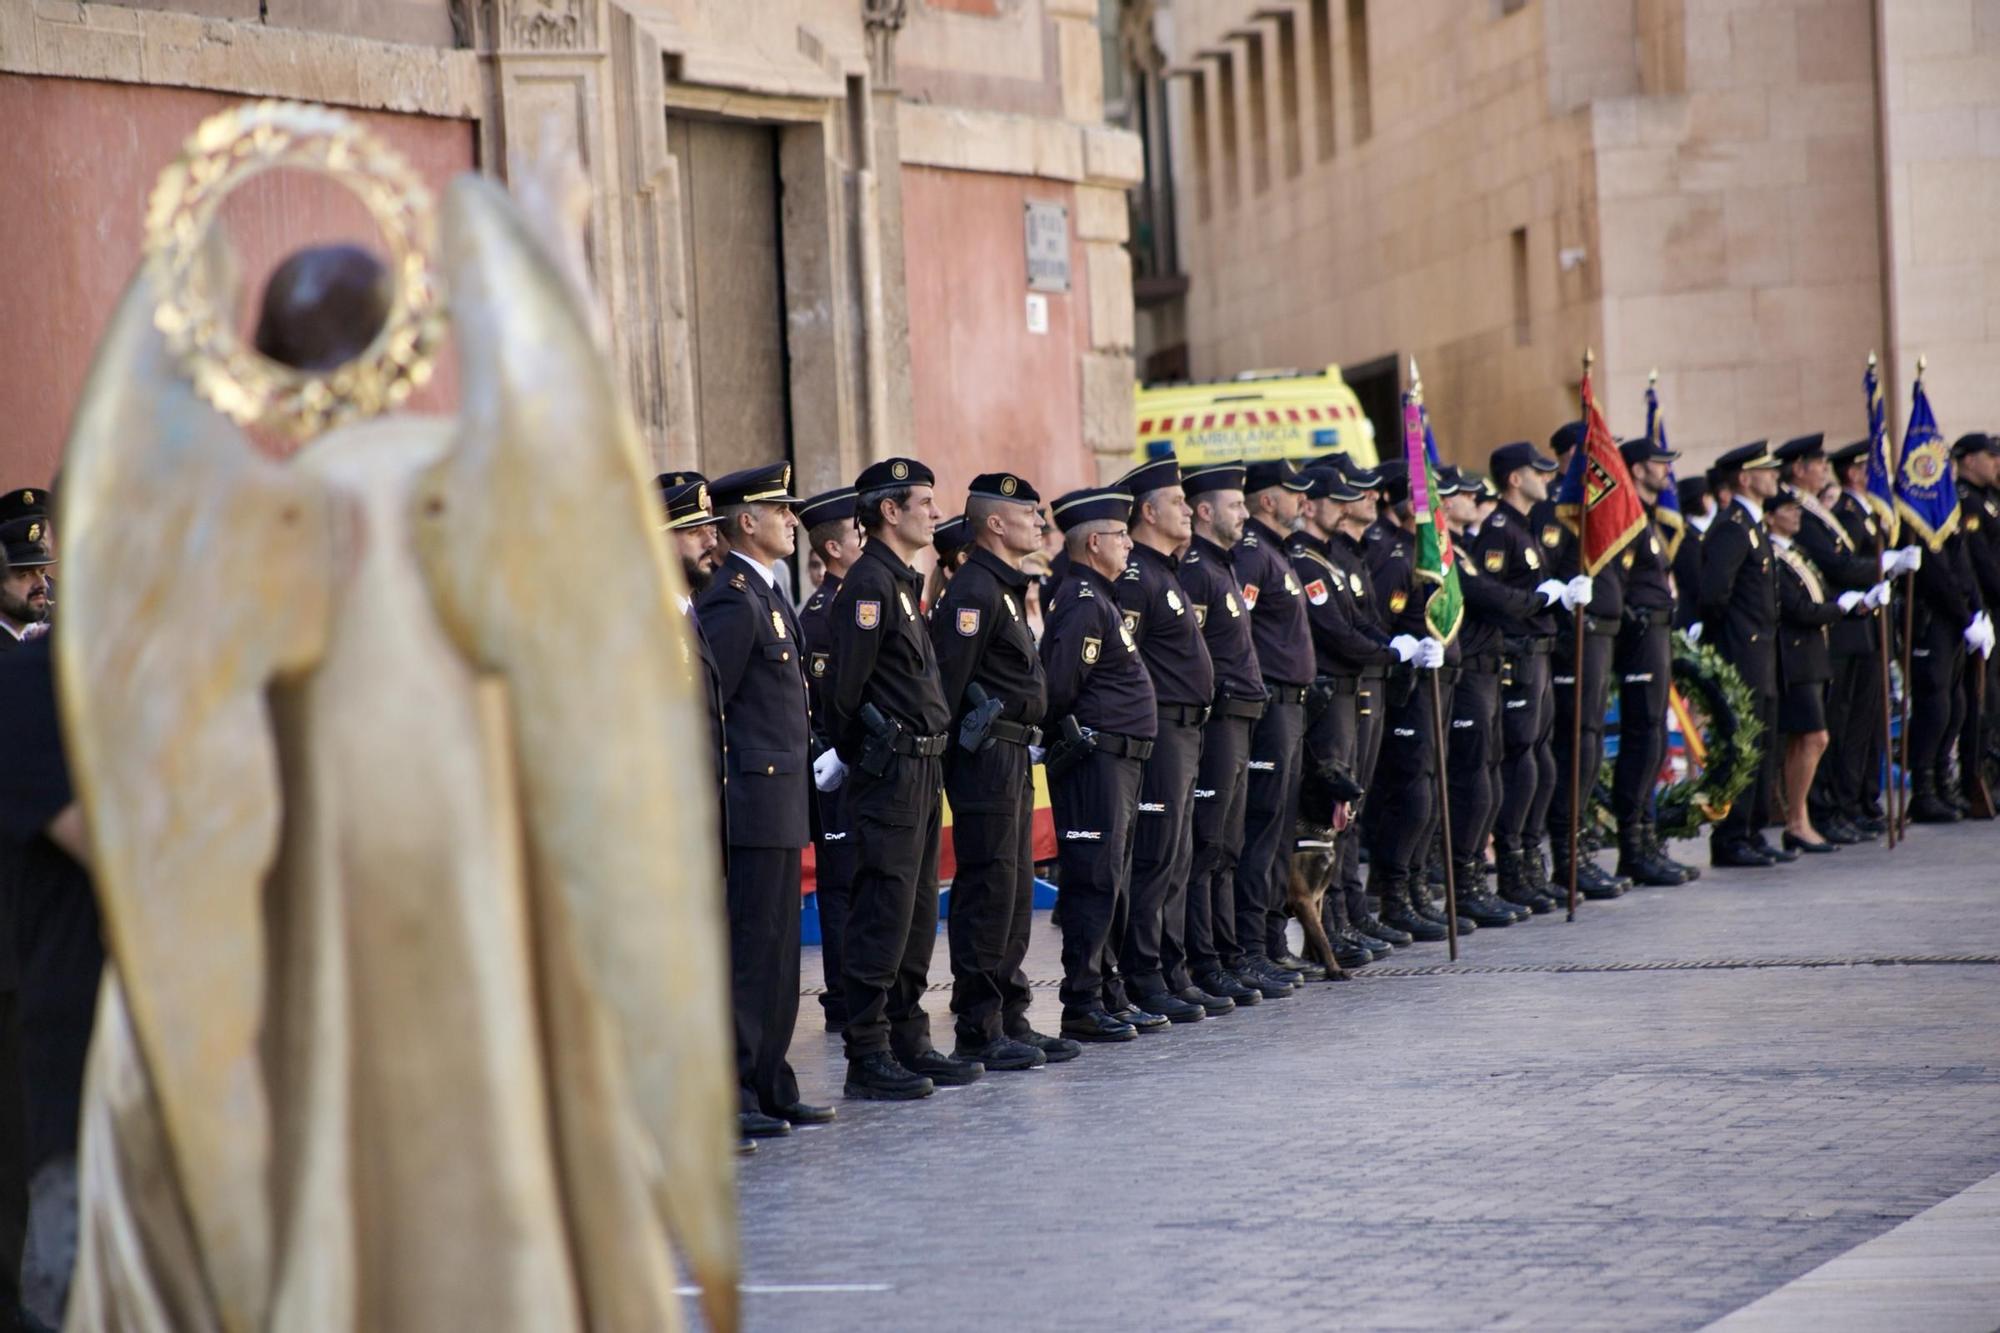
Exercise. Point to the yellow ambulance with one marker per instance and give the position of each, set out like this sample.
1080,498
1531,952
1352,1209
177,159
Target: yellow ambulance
1260,414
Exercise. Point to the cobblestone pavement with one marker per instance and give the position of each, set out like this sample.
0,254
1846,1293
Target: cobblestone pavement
1645,1148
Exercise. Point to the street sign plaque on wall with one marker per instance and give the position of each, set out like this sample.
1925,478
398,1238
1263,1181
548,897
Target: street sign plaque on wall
1048,247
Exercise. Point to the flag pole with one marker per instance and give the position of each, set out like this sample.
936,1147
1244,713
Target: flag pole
1888,741
1444,818
1905,788
1576,711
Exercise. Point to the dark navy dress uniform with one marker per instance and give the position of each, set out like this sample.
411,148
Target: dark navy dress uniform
1644,661
1156,612
1853,762
1400,817
1979,523
1215,599
1739,615
755,639
1807,611
1947,599
833,841
882,655
1348,557
1283,637
1854,685
1095,675
1509,552
981,634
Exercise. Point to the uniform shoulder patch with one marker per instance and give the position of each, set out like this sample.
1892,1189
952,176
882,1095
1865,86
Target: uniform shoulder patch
1250,540
1131,572
819,661
1354,584
1174,602
739,582
1291,583
968,620
1494,559
1551,534
1083,590
1201,614
1534,560
817,603
1131,623
1497,520
1092,649
1398,600
1250,594
867,614
1316,592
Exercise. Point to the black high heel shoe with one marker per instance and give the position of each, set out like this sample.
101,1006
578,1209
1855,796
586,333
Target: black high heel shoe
1798,844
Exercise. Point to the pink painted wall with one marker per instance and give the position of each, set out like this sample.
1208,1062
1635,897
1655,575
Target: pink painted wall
80,157
989,395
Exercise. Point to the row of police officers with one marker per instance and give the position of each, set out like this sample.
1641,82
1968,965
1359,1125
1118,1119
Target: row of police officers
1236,663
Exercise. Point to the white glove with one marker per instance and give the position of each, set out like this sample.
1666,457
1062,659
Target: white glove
829,771
1851,599
1986,640
1975,634
1878,595
1579,592
1694,632
1430,654
1036,754
1552,591
1405,646
1910,559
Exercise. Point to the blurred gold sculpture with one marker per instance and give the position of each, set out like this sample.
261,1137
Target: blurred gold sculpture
417,1013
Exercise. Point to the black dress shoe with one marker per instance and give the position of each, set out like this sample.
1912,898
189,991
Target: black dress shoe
1841,833
1059,1050
1814,848
1269,981
1143,1019
947,1071
1211,1004
1785,853
1872,825
881,1078
1739,856
757,1125
1230,988
745,1148
1002,1053
1349,951
804,1113
1172,1007
1096,1025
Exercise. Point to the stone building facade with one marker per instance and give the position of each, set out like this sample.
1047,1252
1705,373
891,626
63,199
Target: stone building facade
810,216
1747,197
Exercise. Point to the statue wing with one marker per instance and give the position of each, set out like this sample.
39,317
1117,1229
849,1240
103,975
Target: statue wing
195,571
539,535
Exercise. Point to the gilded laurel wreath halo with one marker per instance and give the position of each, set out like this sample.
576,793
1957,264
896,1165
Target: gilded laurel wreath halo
229,149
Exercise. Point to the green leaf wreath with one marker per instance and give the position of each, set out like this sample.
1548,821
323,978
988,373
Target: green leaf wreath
1734,735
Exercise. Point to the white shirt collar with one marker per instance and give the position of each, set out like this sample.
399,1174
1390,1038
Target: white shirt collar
1782,543
1861,498
1756,510
1701,521
20,635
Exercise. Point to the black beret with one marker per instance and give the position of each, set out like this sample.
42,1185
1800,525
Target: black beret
1003,486
954,534
1567,437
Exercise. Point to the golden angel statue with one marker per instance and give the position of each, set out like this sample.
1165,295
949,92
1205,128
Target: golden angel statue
417,1012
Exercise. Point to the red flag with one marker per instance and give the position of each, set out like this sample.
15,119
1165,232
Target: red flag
1597,499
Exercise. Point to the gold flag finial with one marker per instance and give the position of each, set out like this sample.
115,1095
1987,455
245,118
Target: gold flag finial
1653,376
1871,358
1922,362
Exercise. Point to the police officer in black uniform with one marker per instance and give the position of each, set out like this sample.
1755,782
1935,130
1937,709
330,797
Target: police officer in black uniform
1603,615
690,524
831,533
1347,642
1404,807
995,688
1697,512
1852,643
1215,599
1643,661
1102,701
887,718
1473,745
1852,769
1509,551
1274,492
1977,457
746,616
1156,613
1947,616
1739,615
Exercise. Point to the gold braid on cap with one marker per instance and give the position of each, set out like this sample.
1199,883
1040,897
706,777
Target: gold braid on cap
230,148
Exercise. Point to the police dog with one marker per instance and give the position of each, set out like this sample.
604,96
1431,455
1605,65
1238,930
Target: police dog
1313,855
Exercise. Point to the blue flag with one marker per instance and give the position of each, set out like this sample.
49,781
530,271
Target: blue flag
1430,440
1881,459
1667,512
1926,490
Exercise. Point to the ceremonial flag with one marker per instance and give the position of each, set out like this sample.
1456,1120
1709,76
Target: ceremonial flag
1430,440
1596,498
1667,512
1881,459
1926,491
1437,560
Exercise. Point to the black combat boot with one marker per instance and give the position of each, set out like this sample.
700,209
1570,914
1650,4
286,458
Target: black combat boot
1639,863
1477,903
1591,881
1689,874
1926,807
1512,883
1369,926
1348,949
1398,911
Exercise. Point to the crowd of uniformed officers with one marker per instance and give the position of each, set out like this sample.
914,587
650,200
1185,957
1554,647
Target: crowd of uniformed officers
1232,663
